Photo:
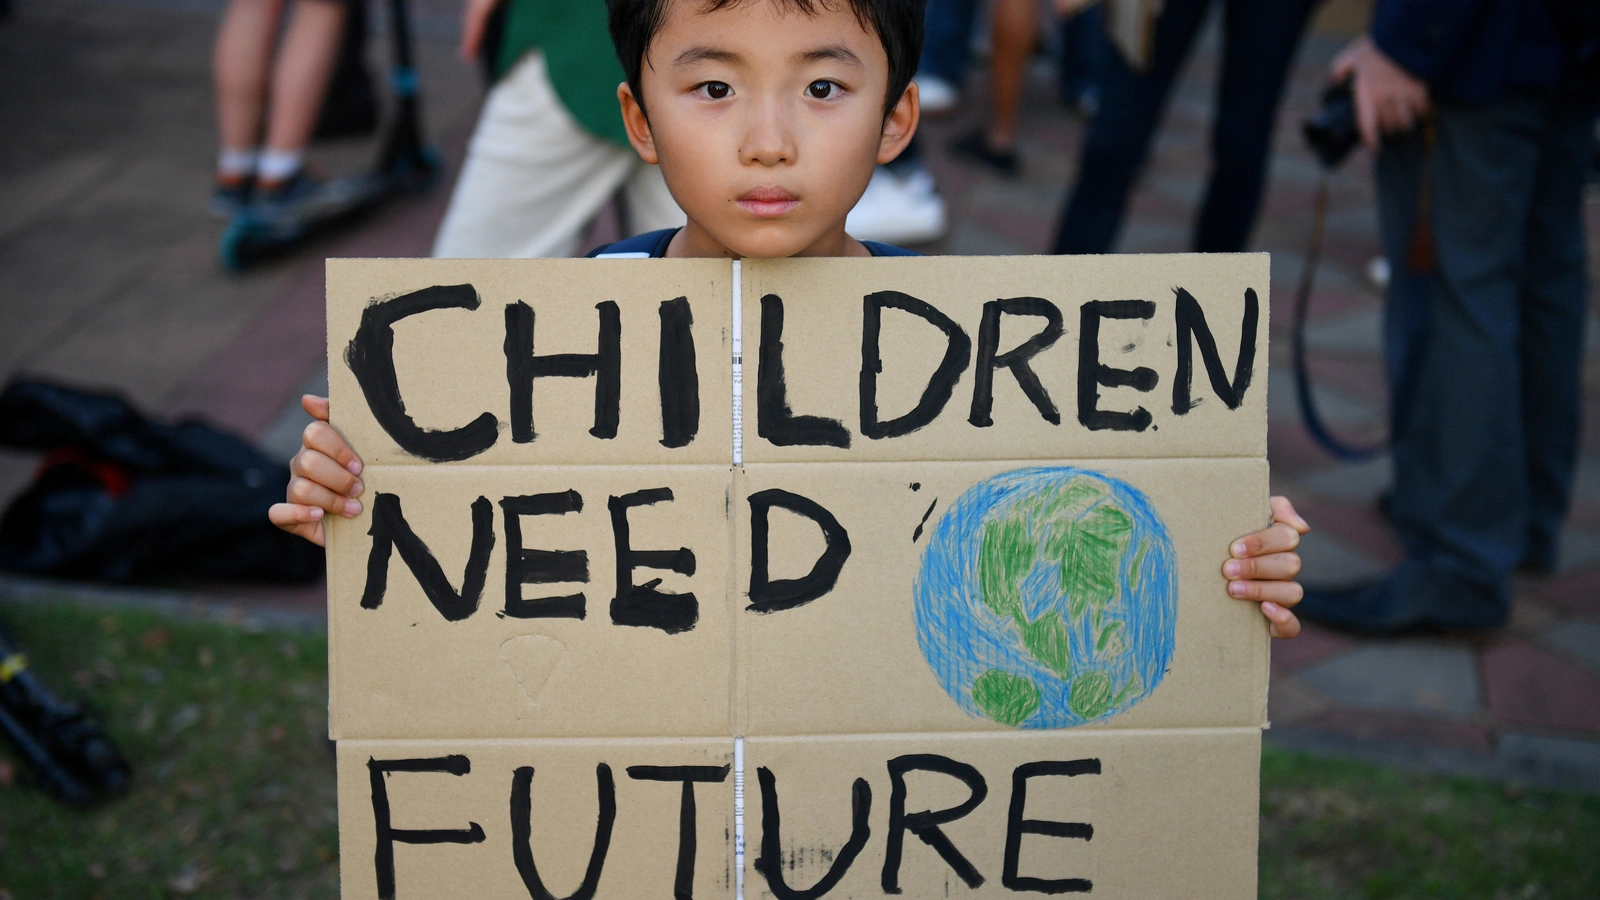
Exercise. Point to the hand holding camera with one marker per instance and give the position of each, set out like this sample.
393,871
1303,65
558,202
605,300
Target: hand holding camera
1388,99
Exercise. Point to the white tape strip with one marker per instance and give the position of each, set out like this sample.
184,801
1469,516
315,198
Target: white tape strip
738,814
738,375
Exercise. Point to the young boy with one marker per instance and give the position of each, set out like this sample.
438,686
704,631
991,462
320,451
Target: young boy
767,118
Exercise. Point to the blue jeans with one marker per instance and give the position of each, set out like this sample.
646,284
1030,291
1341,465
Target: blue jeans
947,35
1485,348
1259,42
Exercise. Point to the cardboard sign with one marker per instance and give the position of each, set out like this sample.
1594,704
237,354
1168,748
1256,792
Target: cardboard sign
798,578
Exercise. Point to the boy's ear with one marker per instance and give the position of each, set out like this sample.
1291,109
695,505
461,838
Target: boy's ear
637,125
900,125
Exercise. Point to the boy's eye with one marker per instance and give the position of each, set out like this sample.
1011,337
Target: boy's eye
822,89
716,90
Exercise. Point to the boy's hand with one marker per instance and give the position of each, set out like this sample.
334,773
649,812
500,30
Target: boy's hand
1264,565
323,478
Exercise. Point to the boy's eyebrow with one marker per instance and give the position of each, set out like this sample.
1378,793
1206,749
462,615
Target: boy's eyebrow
835,52
706,54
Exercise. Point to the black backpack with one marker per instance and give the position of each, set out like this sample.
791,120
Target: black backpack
122,498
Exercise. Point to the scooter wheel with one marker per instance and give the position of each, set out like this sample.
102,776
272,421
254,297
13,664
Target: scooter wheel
233,246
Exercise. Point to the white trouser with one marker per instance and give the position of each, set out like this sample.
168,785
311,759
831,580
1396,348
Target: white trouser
534,178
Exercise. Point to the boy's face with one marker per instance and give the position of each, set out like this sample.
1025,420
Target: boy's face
766,123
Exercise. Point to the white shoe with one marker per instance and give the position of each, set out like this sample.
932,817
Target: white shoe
1378,273
936,94
898,209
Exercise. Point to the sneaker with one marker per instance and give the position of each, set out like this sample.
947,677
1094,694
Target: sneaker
1413,597
303,197
230,196
898,209
936,94
975,146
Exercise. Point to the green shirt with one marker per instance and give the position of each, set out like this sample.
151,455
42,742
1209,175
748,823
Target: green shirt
577,48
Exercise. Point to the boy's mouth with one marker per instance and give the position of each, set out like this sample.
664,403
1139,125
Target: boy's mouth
767,202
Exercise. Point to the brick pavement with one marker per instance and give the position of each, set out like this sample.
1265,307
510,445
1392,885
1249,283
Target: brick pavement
114,282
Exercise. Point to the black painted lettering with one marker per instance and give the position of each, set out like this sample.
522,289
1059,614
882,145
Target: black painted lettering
523,366
1191,321
770,862
1092,374
1017,360
390,530
774,420
1017,825
767,595
925,824
677,375
957,355
370,357
642,604
388,835
525,566
683,879
522,834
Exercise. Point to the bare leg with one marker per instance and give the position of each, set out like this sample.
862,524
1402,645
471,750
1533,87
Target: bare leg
1015,31
240,60
300,76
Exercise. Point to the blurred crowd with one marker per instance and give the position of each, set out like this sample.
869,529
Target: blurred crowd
1481,115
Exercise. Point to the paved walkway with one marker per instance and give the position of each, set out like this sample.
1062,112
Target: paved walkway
113,281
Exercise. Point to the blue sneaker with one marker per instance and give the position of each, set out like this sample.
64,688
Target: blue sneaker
231,196
302,197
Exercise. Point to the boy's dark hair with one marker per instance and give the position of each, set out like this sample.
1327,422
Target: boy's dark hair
898,24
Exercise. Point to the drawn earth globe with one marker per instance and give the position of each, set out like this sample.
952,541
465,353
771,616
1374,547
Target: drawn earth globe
1047,597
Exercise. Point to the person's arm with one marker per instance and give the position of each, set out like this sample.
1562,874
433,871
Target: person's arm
474,19
1424,36
1262,567
323,478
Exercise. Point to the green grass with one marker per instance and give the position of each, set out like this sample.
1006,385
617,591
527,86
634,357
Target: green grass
234,793
233,790
1331,828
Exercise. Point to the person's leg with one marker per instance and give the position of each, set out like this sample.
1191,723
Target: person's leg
241,59
1460,457
1014,32
1131,102
1260,38
533,177
1553,311
1400,168
1079,64
1453,345
947,34
300,77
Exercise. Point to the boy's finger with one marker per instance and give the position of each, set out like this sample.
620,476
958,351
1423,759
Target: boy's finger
318,468
315,407
321,437
1283,624
1283,511
308,493
1275,538
1272,567
1283,593
301,521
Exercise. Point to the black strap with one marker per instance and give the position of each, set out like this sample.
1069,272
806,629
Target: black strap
1302,303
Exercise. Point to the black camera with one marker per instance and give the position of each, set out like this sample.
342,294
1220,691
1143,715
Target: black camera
1332,132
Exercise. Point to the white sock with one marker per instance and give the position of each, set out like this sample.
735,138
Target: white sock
277,165
234,163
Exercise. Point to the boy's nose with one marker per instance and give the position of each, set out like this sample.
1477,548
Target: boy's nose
769,136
